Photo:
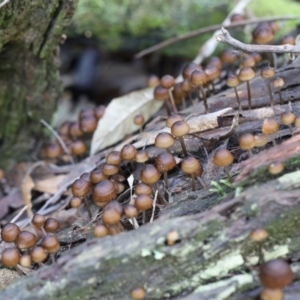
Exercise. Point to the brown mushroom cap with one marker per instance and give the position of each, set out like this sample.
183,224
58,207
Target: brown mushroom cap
64,128
191,165
257,57
164,140
153,81
114,158
104,191
259,235
237,17
128,152
80,187
52,150
247,141
100,230
112,213
143,202
172,119
38,220
270,126
138,293
246,74
178,91
275,274
78,148
86,176
160,93
276,167
288,40
50,243
189,69
139,120
149,174
99,111
260,140
10,257
223,158
267,72
141,156
86,112
25,260
263,34
172,237
88,124
185,85
248,61
74,130
165,162
180,128
228,56
215,61
212,72
278,82
167,81
233,80
10,232
130,211
75,202
143,188
287,118
51,225
198,78
97,175
26,240
38,254
109,170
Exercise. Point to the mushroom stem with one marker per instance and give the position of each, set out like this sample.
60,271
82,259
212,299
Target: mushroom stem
183,146
270,93
144,217
201,182
52,258
193,182
204,98
213,87
227,172
172,101
291,129
167,108
237,98
273,140
250,153
166,186
260,254
280,96
249,95
86,204
160,198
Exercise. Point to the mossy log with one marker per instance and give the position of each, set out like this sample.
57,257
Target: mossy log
214,256
30,32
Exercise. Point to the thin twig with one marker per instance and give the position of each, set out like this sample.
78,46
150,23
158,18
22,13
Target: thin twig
18,215
4,2
153,206
207,29
226,38
63,145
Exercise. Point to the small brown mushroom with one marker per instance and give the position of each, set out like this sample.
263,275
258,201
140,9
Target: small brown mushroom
278,83
246,74
179,129
223,158
267,73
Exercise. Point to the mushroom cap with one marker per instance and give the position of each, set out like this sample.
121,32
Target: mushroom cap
86,112
149,174
160,93
287,118
80,187
130,211
64,128
138,293
278,82
223,158
172,119
75,202
189,69
246,74
52,150
97,175
288,40
263,34
51,225
38,254
257,57
237,17
88,124
275,274
191,165
212,72
10,232
153,81
167,81
25,260
78,148
112,213
178,91
139,120
10,257
143,188
128,152
248,61
259,235
270,126
198,78
164,140
228,56
99,111
103,192
50,243
233,80
26,240
215,61
109,170
267,72
247,141
114,158
100,230
38,220
185,85
141,156
165,162
276,167
172,237
86,176
180,128
143,202
260,140
74,130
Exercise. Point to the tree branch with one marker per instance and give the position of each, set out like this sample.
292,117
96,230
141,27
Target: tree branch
226,38
4,2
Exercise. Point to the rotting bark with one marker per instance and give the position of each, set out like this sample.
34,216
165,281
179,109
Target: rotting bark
29,78
213,246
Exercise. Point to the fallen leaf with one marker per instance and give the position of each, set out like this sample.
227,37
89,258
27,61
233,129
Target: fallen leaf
13,200
117,121
49,185
26,187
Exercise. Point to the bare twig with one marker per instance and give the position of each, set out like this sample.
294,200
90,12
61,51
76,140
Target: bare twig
19,214
153,206
4,3
207,29
226,38
59,140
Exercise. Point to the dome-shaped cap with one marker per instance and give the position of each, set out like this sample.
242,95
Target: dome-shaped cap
149,174
180,128
223,158
167,81
191,165
165,162
160,93
246,74
164,140
233,80
198,78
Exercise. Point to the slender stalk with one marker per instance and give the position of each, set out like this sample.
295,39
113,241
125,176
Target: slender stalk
193,182
166,186
273,141
280,96
213,87
183,146
52,258
291,129
86,204
201,182
238,98
204,98
160,198
249,95
144,217
172,101
228,174
250,153
271,95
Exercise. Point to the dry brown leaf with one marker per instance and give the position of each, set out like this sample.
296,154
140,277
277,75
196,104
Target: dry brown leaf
49,185
117,121
13,200
26,187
